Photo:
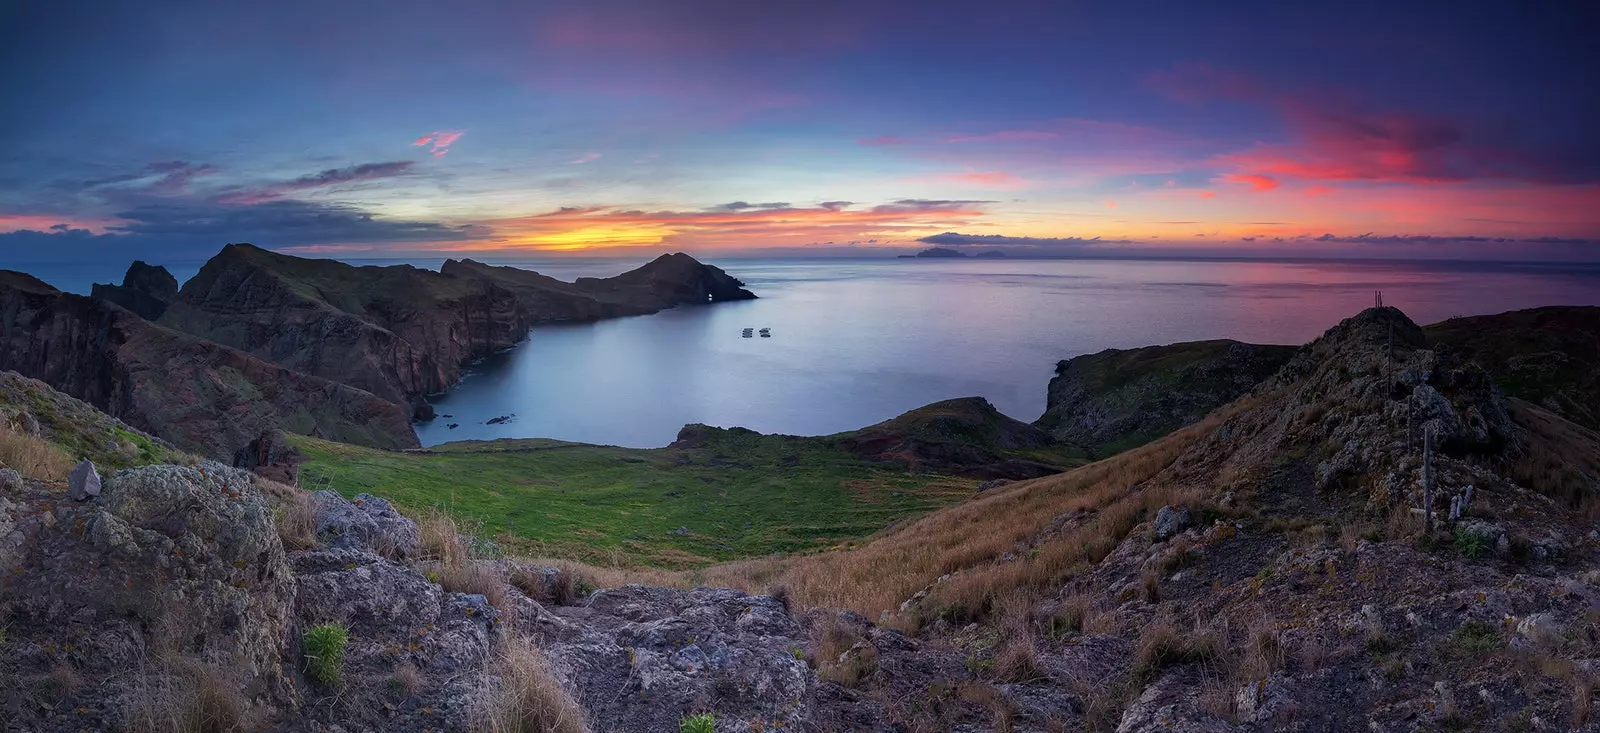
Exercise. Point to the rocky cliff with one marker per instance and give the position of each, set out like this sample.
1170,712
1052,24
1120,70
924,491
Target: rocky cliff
401,332
146,290
1121,398
398,332
200,395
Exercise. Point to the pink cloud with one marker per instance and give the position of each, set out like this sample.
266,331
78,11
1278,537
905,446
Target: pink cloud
1337,138
440,140
1257,182
585,158
986,179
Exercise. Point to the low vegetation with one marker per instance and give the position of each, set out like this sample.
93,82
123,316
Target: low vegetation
734,495
323,646
704,723
528,697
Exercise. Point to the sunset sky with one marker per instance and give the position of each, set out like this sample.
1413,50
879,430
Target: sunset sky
378,127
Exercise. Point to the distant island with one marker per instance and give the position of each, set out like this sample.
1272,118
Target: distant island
947,253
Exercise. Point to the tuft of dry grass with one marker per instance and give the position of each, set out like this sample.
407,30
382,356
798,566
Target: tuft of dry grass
564,587
841,654
407,680
187,696
63,680
1002,713
294,511
440,537
1162,645
1017,659
32,456
1261,654
527,697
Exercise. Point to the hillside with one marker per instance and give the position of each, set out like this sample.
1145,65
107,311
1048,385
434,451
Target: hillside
201,396
44,432
1117,399
1266,568
1546,356
966,436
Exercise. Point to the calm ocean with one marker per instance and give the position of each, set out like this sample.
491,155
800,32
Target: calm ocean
858,341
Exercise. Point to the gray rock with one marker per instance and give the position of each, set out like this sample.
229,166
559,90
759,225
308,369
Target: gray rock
368,522
1170,521
10,480
994,484
642,658
84,481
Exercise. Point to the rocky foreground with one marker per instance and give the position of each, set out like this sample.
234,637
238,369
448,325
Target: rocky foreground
1271,567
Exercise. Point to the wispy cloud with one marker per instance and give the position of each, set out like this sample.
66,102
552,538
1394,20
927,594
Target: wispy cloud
439,141
585,158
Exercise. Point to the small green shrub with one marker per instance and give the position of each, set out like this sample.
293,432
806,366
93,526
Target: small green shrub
323,647
704,723
1471,544
1476,638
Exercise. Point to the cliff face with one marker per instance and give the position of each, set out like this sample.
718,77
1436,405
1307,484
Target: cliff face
398,332
146,290
200,395
543,298
1121,398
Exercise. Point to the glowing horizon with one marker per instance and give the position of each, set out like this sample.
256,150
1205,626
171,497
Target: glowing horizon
615,126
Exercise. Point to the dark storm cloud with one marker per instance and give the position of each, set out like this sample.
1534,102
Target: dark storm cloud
201,228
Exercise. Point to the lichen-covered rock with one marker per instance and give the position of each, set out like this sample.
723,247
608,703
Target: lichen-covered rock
184,559
366,522
10,480
84,482
1170,521
641,658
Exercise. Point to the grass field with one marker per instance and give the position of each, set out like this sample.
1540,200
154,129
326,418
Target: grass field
733,495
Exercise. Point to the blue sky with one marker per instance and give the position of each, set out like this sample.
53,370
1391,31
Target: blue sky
376,127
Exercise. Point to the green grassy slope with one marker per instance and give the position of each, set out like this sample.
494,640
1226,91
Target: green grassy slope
731,494
76,427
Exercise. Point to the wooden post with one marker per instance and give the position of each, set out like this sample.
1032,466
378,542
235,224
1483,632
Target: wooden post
1427,479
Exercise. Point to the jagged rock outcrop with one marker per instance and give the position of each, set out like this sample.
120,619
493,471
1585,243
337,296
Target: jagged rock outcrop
146,290
965,436
1121,398
199,395
398,332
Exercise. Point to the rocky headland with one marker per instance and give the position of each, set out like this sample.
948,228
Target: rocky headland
260,341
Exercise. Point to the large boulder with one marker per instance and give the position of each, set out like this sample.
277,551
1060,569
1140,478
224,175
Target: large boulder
366,522
168,559
642,658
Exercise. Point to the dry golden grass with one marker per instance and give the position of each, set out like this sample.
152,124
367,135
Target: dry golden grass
186,696
32,456
293,511
840,654
1559,459
528,698
440,537
407,680
972,536
1002,714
